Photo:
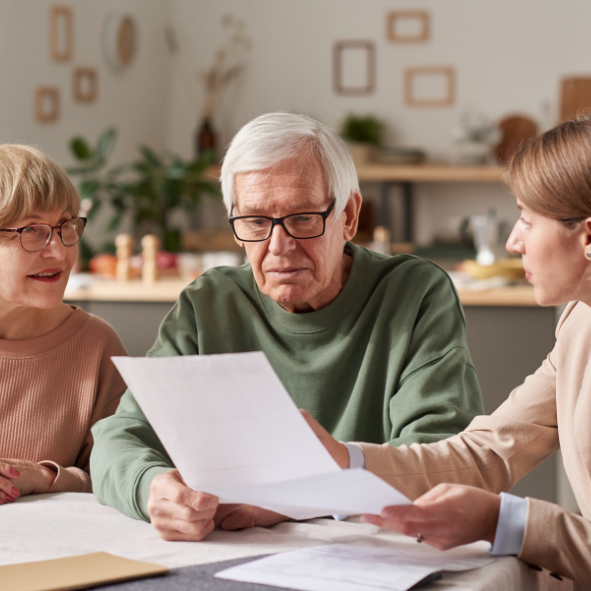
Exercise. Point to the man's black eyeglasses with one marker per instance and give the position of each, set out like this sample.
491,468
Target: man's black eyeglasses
37,236
303,226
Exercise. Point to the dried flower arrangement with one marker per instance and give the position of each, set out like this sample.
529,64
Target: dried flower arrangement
229,62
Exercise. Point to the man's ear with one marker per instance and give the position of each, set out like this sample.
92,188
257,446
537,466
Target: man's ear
351,215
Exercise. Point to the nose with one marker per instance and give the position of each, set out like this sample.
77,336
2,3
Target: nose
280,241
55,248
515,244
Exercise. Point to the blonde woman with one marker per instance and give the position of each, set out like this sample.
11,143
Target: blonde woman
551,179
56,376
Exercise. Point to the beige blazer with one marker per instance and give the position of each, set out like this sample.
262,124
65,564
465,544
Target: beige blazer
551,409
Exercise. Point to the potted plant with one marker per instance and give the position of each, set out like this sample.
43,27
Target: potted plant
363,133
147,190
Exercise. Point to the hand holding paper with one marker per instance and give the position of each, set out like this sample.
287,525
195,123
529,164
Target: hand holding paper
233,431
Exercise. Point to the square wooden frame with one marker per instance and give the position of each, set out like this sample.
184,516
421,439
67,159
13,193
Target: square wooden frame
337,70
41,94
78,78
421,15
57,13
446,101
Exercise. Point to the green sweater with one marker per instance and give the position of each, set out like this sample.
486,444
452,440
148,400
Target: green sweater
386,361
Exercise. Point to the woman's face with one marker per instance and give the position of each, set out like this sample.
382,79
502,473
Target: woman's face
35,279
553,257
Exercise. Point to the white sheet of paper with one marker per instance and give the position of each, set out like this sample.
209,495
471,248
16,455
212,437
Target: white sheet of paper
232,430
342,567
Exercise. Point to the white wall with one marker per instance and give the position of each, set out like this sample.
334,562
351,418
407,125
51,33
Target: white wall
509,57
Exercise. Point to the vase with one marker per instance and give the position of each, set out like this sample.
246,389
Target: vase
205,140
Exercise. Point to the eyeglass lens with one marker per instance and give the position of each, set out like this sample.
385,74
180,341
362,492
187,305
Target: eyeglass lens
299,226
37,236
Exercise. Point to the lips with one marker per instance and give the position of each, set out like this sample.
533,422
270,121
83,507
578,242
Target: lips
47,275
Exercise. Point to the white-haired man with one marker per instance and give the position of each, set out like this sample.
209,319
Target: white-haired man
372,346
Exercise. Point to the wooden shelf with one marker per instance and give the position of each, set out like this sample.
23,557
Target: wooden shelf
423,173
168,290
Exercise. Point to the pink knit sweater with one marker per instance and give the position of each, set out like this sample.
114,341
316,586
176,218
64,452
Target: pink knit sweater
53,389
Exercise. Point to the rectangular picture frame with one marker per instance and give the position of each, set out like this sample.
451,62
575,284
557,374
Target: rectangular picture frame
340,85
445,100
395,16
47,104
61,33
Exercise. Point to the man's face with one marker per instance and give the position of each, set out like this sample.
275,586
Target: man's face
300,275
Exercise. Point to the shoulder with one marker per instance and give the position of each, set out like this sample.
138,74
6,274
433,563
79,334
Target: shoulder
99,332
219,282
406,271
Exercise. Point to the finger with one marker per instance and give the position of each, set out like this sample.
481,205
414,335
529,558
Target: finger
165,508
373,519
404,513
240,519
173,490
174,529
8,488
224,510
8,471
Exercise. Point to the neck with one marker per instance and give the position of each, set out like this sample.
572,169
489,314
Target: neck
18,323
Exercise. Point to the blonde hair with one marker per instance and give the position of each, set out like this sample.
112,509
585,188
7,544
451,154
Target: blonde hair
551,174
30,180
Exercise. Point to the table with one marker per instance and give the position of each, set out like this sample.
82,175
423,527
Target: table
50,526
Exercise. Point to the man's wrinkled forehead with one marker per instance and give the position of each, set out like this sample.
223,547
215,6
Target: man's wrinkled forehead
288,177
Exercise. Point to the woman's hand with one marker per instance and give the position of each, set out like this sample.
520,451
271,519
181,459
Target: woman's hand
338,451
21,477
449,515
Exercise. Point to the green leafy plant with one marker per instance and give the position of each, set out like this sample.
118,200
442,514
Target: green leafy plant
147,190
363,129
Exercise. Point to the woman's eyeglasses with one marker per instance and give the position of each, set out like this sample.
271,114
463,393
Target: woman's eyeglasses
37,236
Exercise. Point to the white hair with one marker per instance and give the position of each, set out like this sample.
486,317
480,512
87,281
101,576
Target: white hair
270,138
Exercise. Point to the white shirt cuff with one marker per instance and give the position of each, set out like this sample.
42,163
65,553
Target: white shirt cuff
511,526
356,455
356,460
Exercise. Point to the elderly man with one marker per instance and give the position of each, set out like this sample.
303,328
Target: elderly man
371,346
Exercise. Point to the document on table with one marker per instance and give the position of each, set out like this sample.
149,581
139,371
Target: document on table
341,567
232,430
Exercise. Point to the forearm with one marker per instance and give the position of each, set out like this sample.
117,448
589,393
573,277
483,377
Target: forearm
492,454
126,456
71,479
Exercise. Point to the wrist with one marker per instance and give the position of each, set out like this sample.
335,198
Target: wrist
343,459
493,520
48,476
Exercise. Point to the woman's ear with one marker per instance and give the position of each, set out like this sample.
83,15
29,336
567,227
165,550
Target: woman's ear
586,237
351,213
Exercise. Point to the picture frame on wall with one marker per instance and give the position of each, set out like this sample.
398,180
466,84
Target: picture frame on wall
61,33
47,104
354,67
430,86
408,26
85,85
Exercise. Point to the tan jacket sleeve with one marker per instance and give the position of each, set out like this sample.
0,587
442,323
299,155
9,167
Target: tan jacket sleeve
557,540
492,453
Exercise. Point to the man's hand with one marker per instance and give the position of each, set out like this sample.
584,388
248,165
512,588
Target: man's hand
338,450
21,477
179,513
449,515
231,517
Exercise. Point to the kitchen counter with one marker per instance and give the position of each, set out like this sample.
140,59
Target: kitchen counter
167,290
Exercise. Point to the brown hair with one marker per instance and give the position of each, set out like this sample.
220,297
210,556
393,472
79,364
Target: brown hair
30,180
551,174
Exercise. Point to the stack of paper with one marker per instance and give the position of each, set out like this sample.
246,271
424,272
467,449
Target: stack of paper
233,431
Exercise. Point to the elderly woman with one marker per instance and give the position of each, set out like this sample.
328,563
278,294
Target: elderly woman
57,379
551,179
